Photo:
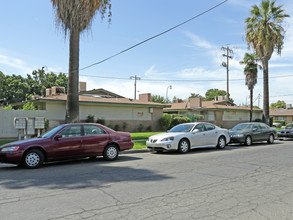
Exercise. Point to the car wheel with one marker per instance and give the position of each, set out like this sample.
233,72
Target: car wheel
271,139
248,141
183,146
221,142
33,158
111,152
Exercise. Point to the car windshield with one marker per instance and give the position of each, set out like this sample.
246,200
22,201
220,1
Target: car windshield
289,126
182,128
51,132
241,127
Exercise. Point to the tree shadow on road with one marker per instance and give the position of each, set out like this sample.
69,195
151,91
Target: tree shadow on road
76,174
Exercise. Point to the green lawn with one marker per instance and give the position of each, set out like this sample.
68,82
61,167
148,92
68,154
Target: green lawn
139,139
139,145
142,135
5,142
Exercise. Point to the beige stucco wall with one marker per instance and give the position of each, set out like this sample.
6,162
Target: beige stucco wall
113,115
115,112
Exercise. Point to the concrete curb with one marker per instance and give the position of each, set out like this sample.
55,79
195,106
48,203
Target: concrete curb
145,150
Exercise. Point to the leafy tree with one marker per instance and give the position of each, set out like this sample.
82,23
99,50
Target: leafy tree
39,81
158,99
264,33
278,104
193,95
29,106
16,88
13,88
250,71
74,17
211,94
8,107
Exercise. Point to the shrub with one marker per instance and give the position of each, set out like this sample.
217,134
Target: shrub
29,106
179,120
149,128
90,119
198,117
47,123
110,126
9,107
140,128
101,121
165,122
124,126
116,127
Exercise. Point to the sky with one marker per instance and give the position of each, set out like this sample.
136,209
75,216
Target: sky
188,58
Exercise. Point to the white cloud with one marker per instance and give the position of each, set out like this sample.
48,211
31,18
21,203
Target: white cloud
197,41
17,64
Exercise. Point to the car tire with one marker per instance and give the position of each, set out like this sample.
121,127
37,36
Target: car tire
248,141
271,139
111,152
183,146
33,158
221,142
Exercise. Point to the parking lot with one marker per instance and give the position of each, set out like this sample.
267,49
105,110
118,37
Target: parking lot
238,182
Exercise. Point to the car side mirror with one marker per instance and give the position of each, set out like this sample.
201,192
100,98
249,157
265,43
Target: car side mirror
57,137
254,129
195,131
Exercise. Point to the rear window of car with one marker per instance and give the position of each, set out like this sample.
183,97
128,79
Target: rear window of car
93,130
264,126
209,127
240,127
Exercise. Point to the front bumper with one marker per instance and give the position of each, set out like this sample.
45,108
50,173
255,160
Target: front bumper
161,146
237,139
285,135
11,157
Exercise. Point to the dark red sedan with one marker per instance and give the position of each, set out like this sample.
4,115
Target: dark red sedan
67,141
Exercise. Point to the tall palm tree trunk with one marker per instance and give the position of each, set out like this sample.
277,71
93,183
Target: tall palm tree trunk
251,105
72,104
266,101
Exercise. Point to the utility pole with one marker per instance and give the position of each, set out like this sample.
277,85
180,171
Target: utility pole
227,53
135,78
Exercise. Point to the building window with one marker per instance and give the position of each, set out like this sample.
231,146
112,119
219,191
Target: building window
283,118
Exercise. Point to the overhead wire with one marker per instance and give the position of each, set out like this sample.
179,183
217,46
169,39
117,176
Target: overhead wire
155,36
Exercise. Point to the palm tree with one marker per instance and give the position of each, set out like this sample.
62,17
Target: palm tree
250,71
74,16
264,32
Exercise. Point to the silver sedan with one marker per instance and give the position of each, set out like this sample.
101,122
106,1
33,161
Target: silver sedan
184,137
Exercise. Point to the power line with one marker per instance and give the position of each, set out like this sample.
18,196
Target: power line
181,80
155,36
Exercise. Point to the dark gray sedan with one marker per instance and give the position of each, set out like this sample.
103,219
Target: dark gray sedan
247,133
287,132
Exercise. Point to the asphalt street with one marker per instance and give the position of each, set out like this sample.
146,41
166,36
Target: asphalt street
239,182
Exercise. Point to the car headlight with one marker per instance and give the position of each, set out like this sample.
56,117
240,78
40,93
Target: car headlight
11,148
168,139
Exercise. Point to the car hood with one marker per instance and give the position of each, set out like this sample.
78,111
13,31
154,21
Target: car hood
21,142
286,129
238,132
164,135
